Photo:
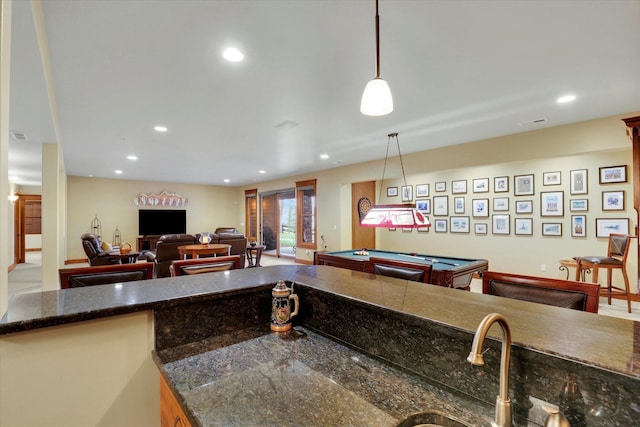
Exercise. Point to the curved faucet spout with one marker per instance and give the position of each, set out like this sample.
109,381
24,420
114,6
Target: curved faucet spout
503,403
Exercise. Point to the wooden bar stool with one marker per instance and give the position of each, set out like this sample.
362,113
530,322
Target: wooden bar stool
616,259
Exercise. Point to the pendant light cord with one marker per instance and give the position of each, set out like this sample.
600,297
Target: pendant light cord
386,157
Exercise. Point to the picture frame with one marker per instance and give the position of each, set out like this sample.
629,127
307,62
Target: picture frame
552,203
423,229
459,186
578,205
480,228
501,184
481,185
613,174
579,181
458,205
391,229
524,206
523,185
407,229
523,226
392,191
578,226
440,225
440,205
480,208
459,224
613,200
552,229
552,178
407,193
500,224
441,186
422,190
606,226
424,206
500,204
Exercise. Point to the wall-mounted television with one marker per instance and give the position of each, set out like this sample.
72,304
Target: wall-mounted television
161,221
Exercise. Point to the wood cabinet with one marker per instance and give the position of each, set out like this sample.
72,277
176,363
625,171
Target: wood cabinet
147,243
171,414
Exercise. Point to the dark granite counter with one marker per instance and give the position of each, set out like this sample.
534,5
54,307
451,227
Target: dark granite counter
424,330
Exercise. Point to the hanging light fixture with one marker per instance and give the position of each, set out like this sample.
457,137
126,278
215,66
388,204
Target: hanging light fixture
377,99
403,215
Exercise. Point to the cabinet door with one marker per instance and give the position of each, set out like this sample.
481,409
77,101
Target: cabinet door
171,415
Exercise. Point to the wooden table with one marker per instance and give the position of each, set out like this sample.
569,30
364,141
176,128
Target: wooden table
566,264
254,253
196,250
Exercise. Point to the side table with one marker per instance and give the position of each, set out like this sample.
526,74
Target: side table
254,253
566,264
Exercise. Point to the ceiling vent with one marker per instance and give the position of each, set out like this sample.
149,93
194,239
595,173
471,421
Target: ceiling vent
19,136
533,122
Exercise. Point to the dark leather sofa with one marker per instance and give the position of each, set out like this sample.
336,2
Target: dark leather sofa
167,251
230,236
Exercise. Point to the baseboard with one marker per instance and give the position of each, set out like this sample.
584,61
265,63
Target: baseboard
33,250
11,267
76,261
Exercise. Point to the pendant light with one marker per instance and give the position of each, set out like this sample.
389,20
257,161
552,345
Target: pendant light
404,215
377,99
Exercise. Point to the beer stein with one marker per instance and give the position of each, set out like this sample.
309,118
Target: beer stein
281,314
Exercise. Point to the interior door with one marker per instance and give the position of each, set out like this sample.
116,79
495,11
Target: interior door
269,223
27,220
362,237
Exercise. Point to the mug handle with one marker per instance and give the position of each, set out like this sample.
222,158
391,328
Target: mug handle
295,298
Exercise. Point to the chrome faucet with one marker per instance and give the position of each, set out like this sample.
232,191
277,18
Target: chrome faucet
503,403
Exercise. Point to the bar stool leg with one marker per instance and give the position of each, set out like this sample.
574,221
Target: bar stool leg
626,285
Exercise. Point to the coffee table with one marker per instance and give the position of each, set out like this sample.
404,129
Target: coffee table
196,250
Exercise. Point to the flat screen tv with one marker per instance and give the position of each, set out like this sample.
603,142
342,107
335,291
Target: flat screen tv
161,221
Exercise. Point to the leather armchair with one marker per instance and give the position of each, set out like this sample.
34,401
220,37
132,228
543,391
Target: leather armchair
167,251
96,255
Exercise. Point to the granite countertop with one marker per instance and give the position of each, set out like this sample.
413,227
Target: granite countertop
601,341
259,378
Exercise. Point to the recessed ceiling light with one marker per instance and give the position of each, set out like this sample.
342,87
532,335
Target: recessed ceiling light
566,98
324,156
227,180
233,55
262,171
132,157
160,128
117,171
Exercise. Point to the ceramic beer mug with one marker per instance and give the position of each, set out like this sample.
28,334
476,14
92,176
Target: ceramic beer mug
281,314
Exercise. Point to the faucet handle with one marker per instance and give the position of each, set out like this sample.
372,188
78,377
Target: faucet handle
555,418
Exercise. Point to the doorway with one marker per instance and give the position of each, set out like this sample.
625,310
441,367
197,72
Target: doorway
27,226
278,224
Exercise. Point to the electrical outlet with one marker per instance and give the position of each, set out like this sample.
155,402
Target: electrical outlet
543,267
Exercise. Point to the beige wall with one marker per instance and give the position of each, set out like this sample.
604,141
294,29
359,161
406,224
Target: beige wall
111,200
588,145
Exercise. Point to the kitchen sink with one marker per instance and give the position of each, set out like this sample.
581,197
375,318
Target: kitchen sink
431,419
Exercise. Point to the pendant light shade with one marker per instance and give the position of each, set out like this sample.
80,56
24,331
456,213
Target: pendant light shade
377,99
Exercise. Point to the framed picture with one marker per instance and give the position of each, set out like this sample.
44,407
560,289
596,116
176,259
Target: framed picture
422,190
523,185
423,229
480,228
501,184
578,226
481,185
392,229
613,200
424,206
392,191
458,205
441,205
551,178
459,187
523,226
440,225
407,229
552,203
612,174
459,224
500,204
407,193
579,181
524,206
441,186
606,226
577,205
500,224
480,208
552,229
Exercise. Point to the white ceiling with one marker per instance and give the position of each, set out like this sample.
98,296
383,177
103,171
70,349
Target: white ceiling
459,71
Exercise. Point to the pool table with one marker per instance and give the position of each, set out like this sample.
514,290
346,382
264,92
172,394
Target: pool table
438,270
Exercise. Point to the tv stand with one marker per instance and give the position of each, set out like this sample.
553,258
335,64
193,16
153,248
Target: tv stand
147,243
